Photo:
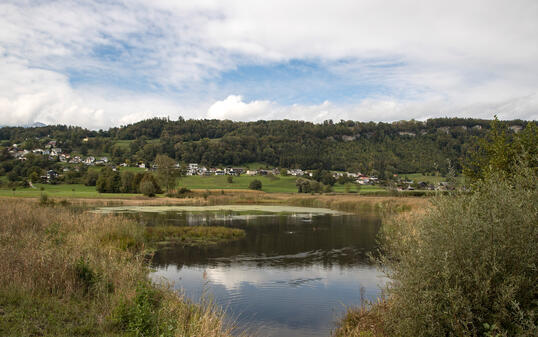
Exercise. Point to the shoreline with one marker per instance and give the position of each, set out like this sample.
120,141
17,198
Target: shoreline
352,203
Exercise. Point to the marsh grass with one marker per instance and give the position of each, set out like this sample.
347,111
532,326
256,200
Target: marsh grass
65,273
364,321
361,204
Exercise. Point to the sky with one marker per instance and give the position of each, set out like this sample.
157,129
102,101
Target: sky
104,63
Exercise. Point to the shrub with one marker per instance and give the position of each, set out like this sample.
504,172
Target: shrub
139,316
91,178
230,179
147,188
469,264
255,184
45,201
181,193
85,275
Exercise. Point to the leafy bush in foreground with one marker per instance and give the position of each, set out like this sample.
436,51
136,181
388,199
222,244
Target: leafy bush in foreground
468,267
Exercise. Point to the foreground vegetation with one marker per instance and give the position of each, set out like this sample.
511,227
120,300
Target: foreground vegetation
467,266
65,273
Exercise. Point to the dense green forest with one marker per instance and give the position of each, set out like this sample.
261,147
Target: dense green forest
371,148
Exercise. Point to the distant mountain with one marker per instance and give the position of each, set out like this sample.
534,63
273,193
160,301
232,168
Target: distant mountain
34,125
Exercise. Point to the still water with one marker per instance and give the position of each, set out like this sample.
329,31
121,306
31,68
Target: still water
292,275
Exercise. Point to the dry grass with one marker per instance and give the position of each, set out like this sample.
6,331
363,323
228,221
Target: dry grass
342,202
66,273
359,204
363,321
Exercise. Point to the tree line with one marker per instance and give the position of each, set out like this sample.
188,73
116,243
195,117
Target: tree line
372,148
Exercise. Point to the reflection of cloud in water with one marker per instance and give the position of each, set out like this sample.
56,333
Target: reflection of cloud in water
232,278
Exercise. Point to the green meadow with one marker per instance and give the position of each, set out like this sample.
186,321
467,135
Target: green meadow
270,184
61,191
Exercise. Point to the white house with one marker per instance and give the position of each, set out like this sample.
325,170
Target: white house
89,161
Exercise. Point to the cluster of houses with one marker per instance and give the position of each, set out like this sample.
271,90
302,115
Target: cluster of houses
194,169
54,152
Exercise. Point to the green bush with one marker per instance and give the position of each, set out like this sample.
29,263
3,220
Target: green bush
255,184
468,267
149,186
44,200
139,315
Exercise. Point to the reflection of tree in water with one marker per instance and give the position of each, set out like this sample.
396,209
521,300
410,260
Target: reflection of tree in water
280,240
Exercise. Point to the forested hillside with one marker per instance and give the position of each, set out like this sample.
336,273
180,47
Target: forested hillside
375,148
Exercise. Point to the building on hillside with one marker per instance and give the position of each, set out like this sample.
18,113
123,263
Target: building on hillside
296,172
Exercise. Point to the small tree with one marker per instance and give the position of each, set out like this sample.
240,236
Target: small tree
167,171
255,184
34,177
147,188
230,179
91,178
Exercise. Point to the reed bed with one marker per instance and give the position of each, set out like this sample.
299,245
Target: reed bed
66,273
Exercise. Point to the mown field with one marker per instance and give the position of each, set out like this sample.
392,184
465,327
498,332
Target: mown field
61,191
282,184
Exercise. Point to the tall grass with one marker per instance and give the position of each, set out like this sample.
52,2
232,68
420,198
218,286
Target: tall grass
360,204
65,273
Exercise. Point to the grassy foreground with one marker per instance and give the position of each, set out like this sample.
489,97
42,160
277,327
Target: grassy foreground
64,273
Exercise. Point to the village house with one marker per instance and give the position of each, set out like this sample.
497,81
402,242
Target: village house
251,172
89,160
75,160
192,169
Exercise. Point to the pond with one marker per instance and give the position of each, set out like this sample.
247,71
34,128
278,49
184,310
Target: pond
293,274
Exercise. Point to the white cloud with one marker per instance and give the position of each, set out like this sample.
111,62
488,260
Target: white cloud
380,109
234,108
432,58
46,96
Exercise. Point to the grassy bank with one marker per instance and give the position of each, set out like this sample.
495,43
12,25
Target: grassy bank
360,204
352,203
65,273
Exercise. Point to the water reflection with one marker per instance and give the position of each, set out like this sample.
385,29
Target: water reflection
292,274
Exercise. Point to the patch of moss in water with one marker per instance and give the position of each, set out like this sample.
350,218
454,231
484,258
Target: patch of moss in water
191,235
241,209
